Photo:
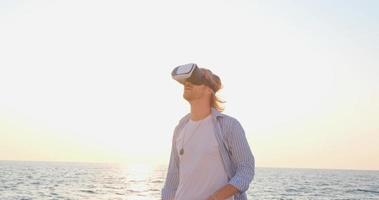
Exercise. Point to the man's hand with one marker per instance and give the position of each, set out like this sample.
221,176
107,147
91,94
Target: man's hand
225,192
213,197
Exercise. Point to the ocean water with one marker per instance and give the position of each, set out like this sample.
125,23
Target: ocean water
58,180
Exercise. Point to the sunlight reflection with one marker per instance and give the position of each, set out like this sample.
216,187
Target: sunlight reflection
139,180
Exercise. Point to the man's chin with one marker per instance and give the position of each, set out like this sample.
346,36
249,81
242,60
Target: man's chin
187,97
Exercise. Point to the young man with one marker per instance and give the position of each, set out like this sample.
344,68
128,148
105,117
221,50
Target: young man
210,156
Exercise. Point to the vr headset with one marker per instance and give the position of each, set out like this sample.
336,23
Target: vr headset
189,72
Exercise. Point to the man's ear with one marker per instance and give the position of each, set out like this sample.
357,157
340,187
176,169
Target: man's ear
210,91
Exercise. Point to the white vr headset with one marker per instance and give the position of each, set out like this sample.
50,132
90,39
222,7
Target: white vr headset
189,72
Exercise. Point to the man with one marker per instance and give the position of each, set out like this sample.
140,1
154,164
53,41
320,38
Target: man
210,156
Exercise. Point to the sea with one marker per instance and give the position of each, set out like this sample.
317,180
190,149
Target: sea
29,180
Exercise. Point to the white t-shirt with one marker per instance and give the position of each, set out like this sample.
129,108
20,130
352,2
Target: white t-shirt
201,172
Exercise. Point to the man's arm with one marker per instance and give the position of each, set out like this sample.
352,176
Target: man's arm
241,156
243,159
172,178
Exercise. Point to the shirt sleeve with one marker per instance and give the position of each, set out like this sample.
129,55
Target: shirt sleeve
172,177
242,158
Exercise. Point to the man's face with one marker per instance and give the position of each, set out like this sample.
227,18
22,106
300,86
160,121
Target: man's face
193,92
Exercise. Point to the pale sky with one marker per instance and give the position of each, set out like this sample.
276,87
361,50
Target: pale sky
90,80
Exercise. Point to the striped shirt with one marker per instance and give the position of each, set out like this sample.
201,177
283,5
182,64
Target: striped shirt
237,158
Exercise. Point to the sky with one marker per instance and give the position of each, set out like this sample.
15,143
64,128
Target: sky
90,81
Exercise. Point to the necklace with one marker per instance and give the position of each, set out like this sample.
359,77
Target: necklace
193,133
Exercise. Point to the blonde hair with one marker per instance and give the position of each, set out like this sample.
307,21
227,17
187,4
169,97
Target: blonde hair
215,84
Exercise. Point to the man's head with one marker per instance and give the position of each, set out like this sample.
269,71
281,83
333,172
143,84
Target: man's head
200,84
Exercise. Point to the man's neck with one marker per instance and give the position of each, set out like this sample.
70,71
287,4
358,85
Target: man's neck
199,110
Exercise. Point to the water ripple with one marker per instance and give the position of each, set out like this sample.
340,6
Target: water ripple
69,181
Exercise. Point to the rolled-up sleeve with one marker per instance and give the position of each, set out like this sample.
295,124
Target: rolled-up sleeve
172,178
241,156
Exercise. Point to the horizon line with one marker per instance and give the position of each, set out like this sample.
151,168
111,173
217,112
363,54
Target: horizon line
160,164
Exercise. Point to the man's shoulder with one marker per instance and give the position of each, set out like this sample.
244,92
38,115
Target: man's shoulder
184,118
227,119
181,122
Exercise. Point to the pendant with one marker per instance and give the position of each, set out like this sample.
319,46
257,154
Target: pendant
181,151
